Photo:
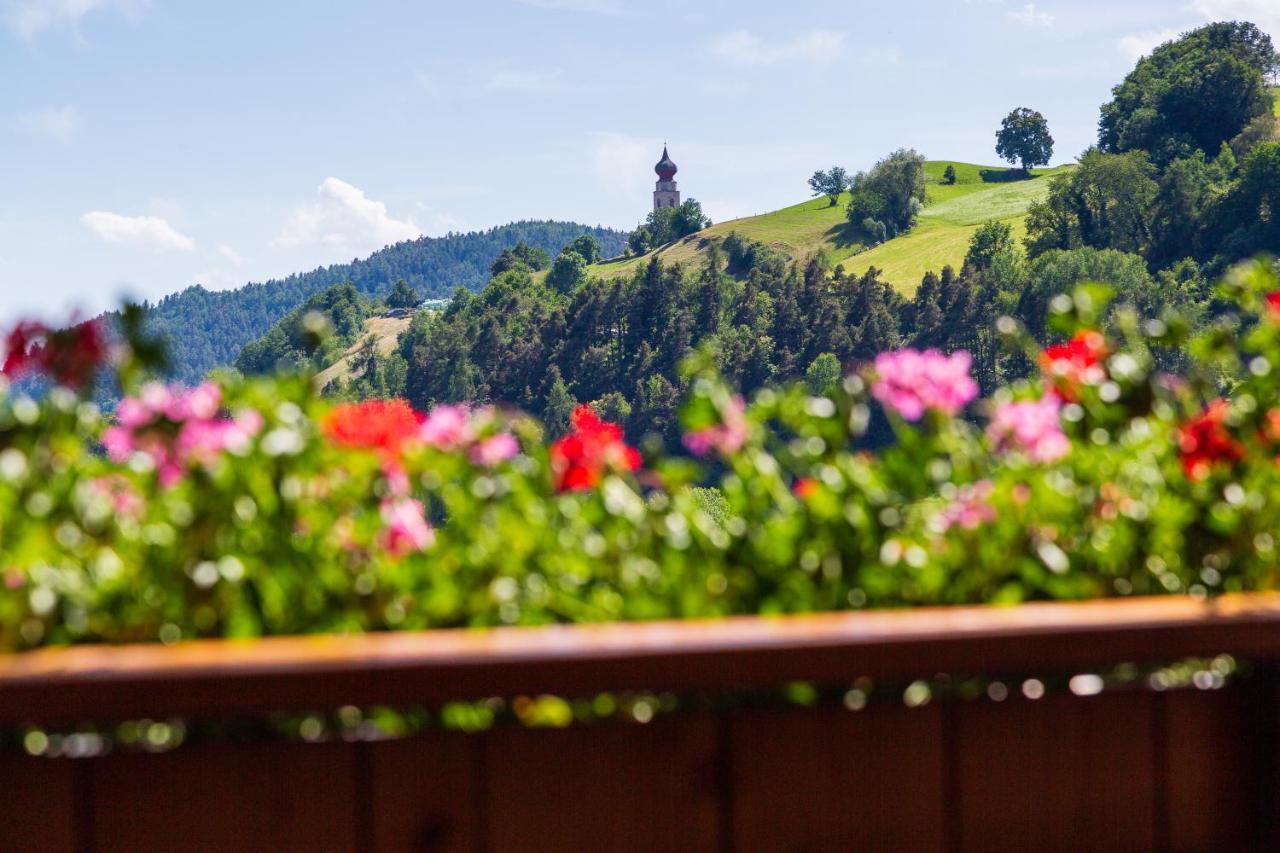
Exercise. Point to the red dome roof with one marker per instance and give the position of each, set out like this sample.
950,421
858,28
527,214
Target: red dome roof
666,169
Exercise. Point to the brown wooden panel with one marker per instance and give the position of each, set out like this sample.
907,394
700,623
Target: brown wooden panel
605,787
219,677
424,793
228,797
1061,773
1208,769
37,804
831,779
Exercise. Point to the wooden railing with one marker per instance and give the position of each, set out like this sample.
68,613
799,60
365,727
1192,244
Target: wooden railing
1129,769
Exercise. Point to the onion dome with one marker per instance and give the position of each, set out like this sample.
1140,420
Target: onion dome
666,169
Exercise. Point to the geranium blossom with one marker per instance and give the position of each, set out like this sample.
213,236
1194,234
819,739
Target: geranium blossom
1076,362
382,425
726,437
910,382
971,507
448,428
580,459
491,451
69,357
176,427
1030,427
1205,442
406,527
1273,303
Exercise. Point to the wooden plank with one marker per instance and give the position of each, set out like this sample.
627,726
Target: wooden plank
604,787
835,780
227,797
1208,768
37,804
226,677
425,793
1062,773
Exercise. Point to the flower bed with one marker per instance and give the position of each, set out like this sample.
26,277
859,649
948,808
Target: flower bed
253,506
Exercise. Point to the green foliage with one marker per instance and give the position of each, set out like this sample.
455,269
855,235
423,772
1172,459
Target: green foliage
949,175
893,192
521,256
613,407
568,271
588,247
1023,139
1194,93
326,324
403,296
831,183
666,225
1105,203
992,240
823,374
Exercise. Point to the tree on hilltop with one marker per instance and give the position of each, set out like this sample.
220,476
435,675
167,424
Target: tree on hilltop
1024,138
403,295
830,183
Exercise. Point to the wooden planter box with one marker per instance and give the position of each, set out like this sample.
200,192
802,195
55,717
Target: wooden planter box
1127,770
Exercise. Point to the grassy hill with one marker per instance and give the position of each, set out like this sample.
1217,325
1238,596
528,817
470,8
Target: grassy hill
385,332
951,215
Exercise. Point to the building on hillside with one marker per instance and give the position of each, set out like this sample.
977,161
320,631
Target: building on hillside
665,193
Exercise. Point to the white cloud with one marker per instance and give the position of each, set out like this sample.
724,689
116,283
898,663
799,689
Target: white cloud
1264,13
344,217
817,47
149,231
29,18
230,254
1139,45
58,124
598,7
1030,16
530,81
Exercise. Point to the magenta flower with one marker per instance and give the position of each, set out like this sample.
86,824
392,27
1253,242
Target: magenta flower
489,452
970,509
726,437
910,382
176,427
1030,427
448,428
407,529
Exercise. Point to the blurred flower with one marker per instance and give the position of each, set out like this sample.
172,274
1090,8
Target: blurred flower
70,357
407,529
804,488
910,382
1204,441
119,494
382,425
495,449
1030,427
726,437
580,459
970,509
1273,303
1074,363
176,426
448,428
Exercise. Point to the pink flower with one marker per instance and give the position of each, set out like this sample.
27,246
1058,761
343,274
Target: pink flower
726,437
407,529
1029,427
910,382
970,508
489,452
448,428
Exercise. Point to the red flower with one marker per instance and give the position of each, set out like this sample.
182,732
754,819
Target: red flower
1076,362
1273,303
69,357
1205,441
804,488
580,459
382,425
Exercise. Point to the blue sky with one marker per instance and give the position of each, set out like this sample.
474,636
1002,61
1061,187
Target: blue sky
146,145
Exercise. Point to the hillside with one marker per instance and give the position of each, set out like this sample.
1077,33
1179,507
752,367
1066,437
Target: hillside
951,216
207,329
385,332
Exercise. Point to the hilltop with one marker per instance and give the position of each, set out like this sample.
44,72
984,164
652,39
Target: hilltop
952,213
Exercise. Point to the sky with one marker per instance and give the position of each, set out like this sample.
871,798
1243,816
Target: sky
148,145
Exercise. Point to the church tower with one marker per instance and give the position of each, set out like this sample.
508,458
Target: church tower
665,193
